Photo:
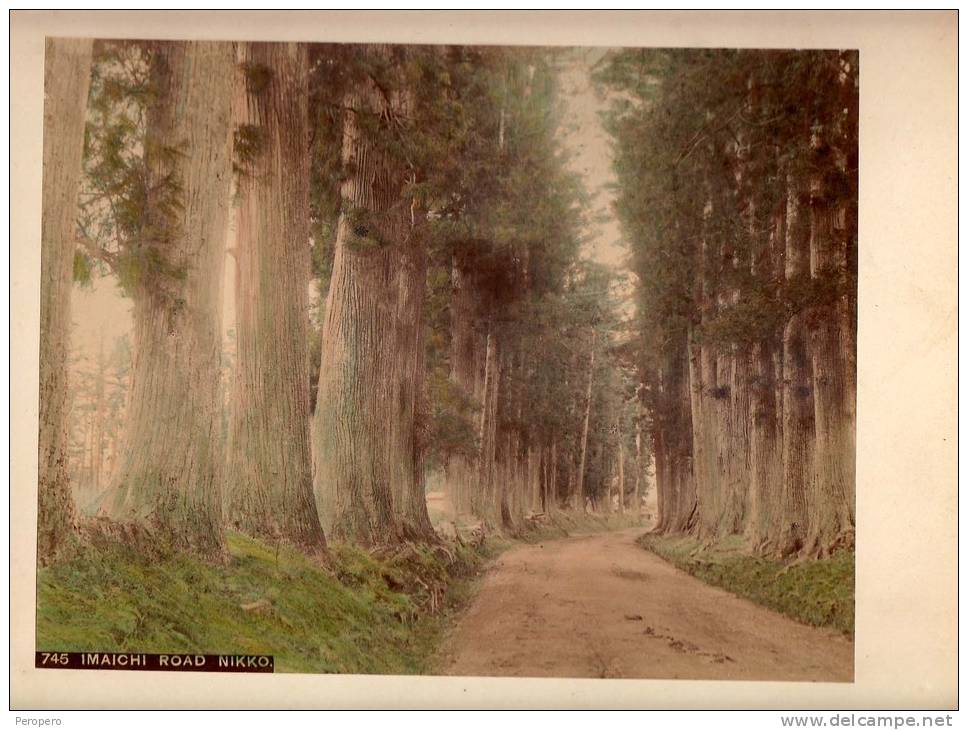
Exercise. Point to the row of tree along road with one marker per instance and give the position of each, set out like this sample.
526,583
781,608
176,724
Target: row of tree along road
411,299
409,295
738,191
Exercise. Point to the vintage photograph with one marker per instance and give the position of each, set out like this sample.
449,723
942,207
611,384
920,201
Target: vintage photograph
468,360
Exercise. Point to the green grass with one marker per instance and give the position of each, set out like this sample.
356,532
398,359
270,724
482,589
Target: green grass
815,592
357,614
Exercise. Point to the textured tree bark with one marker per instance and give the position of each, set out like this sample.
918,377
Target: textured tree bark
673,439
765,448
505,495
765,417
636,500
706,394
534,465
831,499
609,483
352,422
488,477
663,483
409,398
703,405
720,401
270,489
460,471
544,479
484,493
797,403
553,489
169,476
580,487
738,465
67,76
621,473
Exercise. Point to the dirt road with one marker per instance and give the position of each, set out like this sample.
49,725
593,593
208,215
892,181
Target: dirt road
600,606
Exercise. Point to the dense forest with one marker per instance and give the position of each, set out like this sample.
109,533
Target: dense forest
411,301
737,183
327,328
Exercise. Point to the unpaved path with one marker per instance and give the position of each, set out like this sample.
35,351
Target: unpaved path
600,606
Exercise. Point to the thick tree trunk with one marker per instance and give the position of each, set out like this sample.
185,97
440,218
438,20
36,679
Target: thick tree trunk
67,76
270,490
621,473
737,443
169,477
352,423
719,400
409,397
831,501
765,414
460,471
636,500
797,403
489,476
706,393
673,438
487,430
553,489
505,491
580,488
765,448
703,405
543,479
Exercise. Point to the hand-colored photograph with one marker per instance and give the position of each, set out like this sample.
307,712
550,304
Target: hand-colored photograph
448,360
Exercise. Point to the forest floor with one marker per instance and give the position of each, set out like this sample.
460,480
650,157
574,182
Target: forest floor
601,606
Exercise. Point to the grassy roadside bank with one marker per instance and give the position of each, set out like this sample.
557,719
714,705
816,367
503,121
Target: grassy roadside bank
818,592
359,613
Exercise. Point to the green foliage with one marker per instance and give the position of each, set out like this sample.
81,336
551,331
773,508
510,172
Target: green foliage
257,77
365,229
249,142
473,135
358,614
816,592
131,193
711,145
453,430
83,269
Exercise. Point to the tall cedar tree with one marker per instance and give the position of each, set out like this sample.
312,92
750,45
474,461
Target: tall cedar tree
172,454
67,74
269,489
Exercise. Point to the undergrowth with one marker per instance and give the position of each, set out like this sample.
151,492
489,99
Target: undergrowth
382,612
355,613
815,592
